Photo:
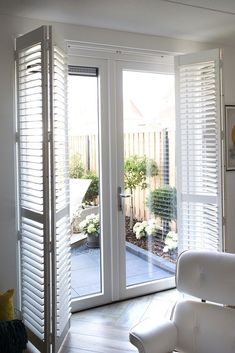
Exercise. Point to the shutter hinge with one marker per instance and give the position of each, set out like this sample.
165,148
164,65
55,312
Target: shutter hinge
15,55
50,338
47,44
50,246
49,136
223,221
17,137
222,135
220,63
19,235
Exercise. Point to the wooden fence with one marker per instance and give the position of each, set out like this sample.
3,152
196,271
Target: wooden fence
158,145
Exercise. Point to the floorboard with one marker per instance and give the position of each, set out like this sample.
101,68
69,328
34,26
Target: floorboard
106,329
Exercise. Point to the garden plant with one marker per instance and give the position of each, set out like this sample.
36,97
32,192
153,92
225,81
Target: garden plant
136,171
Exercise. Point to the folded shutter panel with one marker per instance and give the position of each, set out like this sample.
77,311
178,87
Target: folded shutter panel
199,151
31,67
43,189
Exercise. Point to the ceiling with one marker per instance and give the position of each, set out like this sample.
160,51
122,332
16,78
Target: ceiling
200,20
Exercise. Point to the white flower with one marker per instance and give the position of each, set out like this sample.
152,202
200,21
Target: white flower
150,227
91,225
91,229
150,230
139,230
175,237
153,227
136,226
171,241
139,233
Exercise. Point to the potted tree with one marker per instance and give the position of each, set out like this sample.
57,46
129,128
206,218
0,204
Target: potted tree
136,171
91,228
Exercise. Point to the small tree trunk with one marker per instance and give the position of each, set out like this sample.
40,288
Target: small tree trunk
131,210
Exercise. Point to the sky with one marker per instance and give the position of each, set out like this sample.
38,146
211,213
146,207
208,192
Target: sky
148,102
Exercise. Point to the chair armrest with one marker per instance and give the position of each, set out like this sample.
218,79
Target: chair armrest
151,338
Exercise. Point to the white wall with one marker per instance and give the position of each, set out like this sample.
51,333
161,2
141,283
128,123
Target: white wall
11,27
229,98
7,179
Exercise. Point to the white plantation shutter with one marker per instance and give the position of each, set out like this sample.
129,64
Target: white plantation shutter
199,151
43,227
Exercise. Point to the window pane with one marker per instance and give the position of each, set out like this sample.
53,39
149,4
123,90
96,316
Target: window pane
84,183
149,175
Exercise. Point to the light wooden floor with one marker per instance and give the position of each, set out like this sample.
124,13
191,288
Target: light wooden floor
105,329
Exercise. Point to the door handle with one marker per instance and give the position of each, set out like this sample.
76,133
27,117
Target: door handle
121,196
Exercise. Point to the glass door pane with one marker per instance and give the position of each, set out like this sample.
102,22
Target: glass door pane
84,173
149,176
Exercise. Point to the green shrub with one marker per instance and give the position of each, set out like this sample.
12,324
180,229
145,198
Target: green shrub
162,202
76,168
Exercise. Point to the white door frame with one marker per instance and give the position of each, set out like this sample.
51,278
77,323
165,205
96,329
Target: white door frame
110,61
105,295
147,287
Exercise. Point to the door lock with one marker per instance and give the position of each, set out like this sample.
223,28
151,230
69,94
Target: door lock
121,196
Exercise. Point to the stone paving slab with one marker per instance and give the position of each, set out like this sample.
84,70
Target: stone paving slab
85,277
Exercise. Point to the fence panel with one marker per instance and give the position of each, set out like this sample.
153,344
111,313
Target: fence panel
149,143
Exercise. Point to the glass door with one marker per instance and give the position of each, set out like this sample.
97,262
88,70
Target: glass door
122,177
147,192
88,158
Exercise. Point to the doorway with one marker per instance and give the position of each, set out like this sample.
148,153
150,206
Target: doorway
140,142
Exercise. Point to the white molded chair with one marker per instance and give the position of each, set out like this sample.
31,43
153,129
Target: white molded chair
196,327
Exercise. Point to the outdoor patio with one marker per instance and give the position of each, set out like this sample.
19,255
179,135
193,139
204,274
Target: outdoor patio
141,266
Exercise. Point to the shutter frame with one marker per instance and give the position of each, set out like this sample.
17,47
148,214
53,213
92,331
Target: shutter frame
210,131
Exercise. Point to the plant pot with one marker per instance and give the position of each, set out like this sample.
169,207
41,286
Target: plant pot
93,241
